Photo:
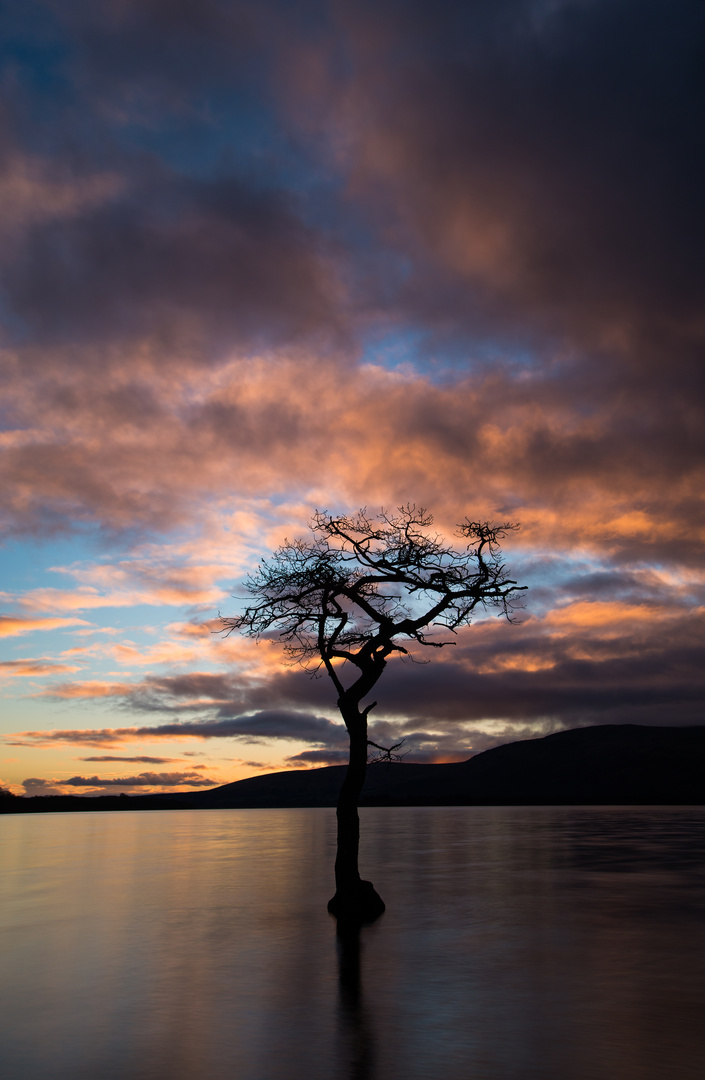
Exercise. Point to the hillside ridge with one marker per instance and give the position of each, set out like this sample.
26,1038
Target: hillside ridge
625,764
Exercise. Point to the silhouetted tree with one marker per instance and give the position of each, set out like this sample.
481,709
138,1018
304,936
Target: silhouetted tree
345,599
8,800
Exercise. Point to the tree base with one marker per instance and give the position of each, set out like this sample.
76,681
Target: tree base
358,904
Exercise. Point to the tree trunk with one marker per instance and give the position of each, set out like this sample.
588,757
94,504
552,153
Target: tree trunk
355,899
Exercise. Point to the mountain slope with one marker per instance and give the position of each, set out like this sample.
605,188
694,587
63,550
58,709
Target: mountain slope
609,765
624,764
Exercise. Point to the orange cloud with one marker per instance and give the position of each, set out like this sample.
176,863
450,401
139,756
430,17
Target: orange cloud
167,652
29,667
13,625
352,436
605,615
91,688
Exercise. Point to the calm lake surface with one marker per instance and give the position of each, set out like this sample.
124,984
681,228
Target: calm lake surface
555,943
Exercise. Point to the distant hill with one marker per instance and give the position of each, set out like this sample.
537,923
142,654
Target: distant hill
608,765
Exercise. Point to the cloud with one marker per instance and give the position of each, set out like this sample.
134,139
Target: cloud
101,784
36,785
33,193
588,660
574,429
135,760
360,254
13,625
91,688
186,691
584,663
507,162
253,728
317,758
217,256
33,668
177,585
127,652
480,443
146,779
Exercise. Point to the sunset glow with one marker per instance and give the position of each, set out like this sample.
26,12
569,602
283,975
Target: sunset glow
263,259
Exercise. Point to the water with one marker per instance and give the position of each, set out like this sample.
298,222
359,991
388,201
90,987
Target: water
547,943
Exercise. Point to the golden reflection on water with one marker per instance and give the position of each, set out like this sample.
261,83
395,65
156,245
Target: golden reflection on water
555,943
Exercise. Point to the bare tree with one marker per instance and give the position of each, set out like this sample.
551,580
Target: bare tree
358,590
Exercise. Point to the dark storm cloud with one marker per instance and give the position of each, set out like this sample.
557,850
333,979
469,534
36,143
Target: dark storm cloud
197,41
522,166
546,156
211,260
145,174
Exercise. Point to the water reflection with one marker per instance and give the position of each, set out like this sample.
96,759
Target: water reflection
358,1042
547,943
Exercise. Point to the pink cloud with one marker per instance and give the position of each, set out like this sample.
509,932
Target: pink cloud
473,444
30,667
90,688
13,625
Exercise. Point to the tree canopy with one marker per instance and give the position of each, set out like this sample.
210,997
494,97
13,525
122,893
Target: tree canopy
361,585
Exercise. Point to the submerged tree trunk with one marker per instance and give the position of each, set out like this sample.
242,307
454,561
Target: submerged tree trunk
354,898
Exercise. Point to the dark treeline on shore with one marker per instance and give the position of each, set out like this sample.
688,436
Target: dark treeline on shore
607,765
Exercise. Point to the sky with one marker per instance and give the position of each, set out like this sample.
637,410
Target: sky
262,259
